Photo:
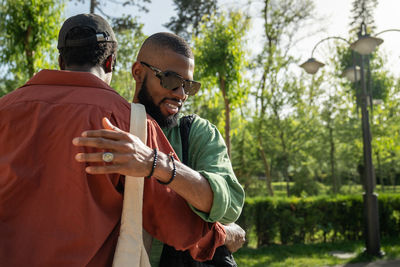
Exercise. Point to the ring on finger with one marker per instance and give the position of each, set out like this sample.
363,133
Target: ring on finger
108,157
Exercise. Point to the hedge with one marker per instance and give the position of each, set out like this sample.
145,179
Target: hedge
315,219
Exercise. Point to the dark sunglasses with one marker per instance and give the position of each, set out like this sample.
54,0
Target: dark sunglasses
171,80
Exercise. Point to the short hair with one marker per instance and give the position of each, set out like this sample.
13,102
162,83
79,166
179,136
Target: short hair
170,41
92,55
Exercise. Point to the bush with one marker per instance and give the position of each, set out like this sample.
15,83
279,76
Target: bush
316,219
304,186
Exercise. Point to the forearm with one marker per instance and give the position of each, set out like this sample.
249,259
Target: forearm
188,183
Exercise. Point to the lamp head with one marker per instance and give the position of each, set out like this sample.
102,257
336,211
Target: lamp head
366,44
311,66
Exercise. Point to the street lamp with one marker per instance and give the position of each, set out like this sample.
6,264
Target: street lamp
363,46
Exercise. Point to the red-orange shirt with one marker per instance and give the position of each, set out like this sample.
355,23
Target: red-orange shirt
52,213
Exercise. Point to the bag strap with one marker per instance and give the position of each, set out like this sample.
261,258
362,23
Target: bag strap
130,250
184,127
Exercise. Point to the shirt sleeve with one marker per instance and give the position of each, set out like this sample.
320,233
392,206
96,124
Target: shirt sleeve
208,155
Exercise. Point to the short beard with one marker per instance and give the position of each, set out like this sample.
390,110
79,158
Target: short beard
153,110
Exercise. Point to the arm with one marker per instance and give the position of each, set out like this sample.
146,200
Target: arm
189,184
133,158
164,211
208,156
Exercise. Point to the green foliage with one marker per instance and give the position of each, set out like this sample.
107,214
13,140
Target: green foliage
29,30
282,116
220,53
190,13
221,60
315,219
304,184
130,37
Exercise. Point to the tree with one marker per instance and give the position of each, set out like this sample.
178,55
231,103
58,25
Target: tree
125,21
29,30
363,13
190,14
99,5
282,19
221,60
130,37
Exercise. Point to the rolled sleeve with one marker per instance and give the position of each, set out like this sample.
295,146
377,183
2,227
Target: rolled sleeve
227,202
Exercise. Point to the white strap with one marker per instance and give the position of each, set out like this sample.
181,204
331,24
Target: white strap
130,250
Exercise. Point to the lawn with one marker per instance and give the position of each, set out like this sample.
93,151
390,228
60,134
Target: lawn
311,255
300,255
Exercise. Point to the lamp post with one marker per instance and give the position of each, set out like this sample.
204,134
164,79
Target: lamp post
363,46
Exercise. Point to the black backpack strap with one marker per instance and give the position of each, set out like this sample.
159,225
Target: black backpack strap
184,127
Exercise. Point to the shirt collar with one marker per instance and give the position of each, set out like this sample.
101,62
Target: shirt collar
68,78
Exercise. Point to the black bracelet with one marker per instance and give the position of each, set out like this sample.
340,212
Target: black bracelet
171,156
154,163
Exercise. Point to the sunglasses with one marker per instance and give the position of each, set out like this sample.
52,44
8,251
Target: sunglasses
171,80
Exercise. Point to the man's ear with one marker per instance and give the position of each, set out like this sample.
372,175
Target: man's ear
139,75
108,64
61,63
138,72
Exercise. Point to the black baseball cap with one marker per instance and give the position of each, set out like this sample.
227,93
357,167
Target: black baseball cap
103,30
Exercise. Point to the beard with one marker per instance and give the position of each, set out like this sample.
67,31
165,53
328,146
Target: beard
153,110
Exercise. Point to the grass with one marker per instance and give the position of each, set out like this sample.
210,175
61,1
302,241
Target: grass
311,255
300,255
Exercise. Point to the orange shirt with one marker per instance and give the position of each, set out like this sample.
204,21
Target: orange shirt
52,213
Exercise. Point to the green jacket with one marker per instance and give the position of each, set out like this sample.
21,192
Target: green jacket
208,155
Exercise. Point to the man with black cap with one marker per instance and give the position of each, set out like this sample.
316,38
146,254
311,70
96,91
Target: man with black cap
53,211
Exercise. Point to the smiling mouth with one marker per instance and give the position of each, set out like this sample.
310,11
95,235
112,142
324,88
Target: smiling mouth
172,107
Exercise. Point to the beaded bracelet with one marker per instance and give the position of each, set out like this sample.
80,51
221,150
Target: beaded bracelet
173,171
154,163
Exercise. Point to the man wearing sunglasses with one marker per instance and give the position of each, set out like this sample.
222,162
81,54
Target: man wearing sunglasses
164,79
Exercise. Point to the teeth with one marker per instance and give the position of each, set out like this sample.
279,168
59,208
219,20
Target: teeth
171,106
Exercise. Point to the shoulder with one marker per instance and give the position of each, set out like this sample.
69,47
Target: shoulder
203,127
204,136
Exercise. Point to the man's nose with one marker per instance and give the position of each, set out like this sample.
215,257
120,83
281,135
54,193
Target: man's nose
179,92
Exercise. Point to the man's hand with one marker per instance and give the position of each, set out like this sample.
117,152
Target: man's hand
131,156
235,237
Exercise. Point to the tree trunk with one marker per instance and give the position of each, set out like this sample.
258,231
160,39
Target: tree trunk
286,175
332,159
266,168
29,52
227,115
380,170
93,4
285,160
